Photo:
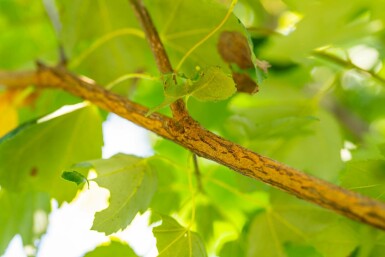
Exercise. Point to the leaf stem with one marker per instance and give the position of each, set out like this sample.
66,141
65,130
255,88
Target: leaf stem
204,39
347,64
103,40
124,77
197,172
193,202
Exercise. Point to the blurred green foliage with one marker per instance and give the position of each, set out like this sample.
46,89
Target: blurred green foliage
320,110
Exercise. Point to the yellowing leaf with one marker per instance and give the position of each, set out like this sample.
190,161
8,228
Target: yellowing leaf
173,240
131,182
9,102
8,117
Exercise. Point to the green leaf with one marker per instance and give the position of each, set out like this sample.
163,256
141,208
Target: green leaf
131,182
167,197
336,240
281,224
381,147
298,250
232,248
24,213
174,89
47,147
281,123
114,248
75,177
323,145
213,85
366,177
113,37
15,28
206,215
180,33
173,240
344,24
372,242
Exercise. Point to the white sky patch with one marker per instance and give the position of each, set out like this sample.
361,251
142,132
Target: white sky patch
15,248
287,22
69,231
140,235
364,56
123,136
346,154
63,110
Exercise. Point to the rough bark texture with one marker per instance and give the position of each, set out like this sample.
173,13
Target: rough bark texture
163,62
189,134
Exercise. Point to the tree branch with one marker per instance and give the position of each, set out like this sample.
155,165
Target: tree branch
189,134
178,108
347,64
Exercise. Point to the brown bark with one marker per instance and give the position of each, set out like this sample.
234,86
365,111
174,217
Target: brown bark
189,134
178,108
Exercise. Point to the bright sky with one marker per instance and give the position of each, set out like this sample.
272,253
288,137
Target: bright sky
69,233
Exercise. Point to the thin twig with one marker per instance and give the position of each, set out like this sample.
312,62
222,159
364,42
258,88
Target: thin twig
197,173
164,65
347,64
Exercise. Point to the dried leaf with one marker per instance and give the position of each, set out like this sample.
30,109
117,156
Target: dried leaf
234,48
244,83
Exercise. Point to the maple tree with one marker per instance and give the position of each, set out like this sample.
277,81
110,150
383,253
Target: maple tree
194,73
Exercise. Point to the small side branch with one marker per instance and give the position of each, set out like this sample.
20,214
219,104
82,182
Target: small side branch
163,62
347,64
197,173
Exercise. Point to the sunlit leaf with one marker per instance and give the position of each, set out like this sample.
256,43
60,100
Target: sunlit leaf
280,225
47,147
307,110
232,248
181,32
282,123
112,32
114,248
173,240
206,215
167,197
336,240
24,213
15,17
297,250
366,177
340,27
131,182
213,85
